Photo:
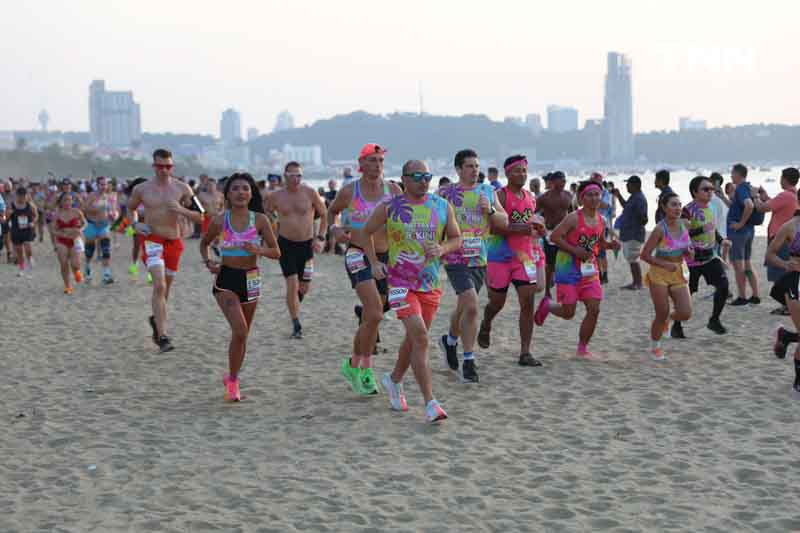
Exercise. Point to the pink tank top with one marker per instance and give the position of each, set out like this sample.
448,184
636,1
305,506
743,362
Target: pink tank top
587,237
520,210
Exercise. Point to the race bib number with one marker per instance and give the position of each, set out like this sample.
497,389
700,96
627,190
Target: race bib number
530,270
253,284
472,246
22,222
398,298
685,269
153,248
588,269
78,246
308,271
354,261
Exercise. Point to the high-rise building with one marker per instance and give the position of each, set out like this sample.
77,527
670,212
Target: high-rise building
44,119
594,131
533,121
114,117
285,121
618,108
252,134
689,123
561,119
230,127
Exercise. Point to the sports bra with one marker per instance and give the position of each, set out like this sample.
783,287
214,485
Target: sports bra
233,241
669,246
73,223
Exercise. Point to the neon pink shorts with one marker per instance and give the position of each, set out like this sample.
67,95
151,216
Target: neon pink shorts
500,275
584,290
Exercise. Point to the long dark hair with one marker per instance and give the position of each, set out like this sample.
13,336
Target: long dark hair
256,203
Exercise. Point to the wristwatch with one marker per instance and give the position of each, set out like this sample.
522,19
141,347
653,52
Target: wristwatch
320,238
492,210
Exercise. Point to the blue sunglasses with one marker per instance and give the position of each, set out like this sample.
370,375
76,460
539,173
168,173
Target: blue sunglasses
420,176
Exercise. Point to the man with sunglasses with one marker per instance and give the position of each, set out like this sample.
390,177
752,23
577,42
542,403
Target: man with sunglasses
356,201
705,262
296,205
475,205
421,228
165,200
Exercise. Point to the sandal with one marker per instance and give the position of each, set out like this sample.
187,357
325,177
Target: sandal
484,336
527,359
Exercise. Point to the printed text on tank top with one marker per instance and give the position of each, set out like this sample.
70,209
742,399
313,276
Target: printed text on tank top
233,241
669,246
520,211
360,208
21,217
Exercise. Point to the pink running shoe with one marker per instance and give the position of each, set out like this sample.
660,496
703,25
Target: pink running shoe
232,393
542,311
434,412
583,352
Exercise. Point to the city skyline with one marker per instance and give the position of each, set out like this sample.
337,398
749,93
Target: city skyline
314,63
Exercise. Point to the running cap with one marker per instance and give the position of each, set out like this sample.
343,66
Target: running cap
370,149
634,179
557,175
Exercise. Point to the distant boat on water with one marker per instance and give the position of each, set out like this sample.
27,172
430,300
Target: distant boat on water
770,180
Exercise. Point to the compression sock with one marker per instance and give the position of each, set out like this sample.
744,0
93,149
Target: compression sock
468,356
296,324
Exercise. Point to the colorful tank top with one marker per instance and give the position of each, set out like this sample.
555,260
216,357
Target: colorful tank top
502,248
669,246
569,269
360,209
794,246
233,241
409,226
474,224
704,243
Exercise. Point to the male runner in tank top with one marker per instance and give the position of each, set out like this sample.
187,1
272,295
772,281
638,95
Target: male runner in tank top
554,204
356,201
100,209
475,206
165,199
297,205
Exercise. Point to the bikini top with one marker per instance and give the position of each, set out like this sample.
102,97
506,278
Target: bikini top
233,241
72,223
669,246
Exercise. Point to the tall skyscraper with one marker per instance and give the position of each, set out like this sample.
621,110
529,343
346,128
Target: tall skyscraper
44,119
285,121
618,108
230,127
114,117
252,134
561,119
533,121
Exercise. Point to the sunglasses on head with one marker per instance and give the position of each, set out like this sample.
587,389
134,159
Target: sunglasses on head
162,166
420,176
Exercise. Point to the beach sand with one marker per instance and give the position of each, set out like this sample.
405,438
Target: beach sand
104,434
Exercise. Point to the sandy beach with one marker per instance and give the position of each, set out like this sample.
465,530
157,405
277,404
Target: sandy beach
104,434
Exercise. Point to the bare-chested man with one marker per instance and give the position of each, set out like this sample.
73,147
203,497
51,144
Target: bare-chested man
211,200
297,205
164,199
100,208
356,201
554,204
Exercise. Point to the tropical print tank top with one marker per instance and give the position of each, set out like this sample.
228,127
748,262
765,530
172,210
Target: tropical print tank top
569,269
409,226
360,209
474,224
704,243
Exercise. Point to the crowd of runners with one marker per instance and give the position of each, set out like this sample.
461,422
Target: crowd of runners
398,239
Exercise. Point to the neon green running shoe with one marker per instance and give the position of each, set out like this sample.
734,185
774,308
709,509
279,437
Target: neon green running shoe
367,382
352,375
133,270
149,278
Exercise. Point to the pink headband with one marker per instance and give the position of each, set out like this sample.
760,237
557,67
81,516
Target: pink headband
590,187
515,164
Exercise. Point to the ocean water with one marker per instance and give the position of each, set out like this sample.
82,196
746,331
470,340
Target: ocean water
679,181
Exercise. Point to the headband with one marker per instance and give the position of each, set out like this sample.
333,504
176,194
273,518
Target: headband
516,163
590,187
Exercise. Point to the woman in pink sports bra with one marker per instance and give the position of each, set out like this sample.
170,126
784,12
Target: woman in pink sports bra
579,238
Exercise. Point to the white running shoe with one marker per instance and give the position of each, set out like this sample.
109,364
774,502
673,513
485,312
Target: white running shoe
434,412
658,355
397,398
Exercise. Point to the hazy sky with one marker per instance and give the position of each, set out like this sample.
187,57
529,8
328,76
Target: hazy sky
186,61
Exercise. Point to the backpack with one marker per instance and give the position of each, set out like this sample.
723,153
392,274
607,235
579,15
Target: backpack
756,217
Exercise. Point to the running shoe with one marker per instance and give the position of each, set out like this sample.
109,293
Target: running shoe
469,374
352,375
584,353
738,302
88,273
149,278
527,359
716,326
677,331
297,334
542,311
450,353
367,383
133,270
108,280
754,300
780,346
658,354
484,336
78,276
232,393
67,290
152,322
397,398
164,345
434,412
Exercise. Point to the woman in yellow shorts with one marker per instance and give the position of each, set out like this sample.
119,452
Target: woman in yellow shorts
668,276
